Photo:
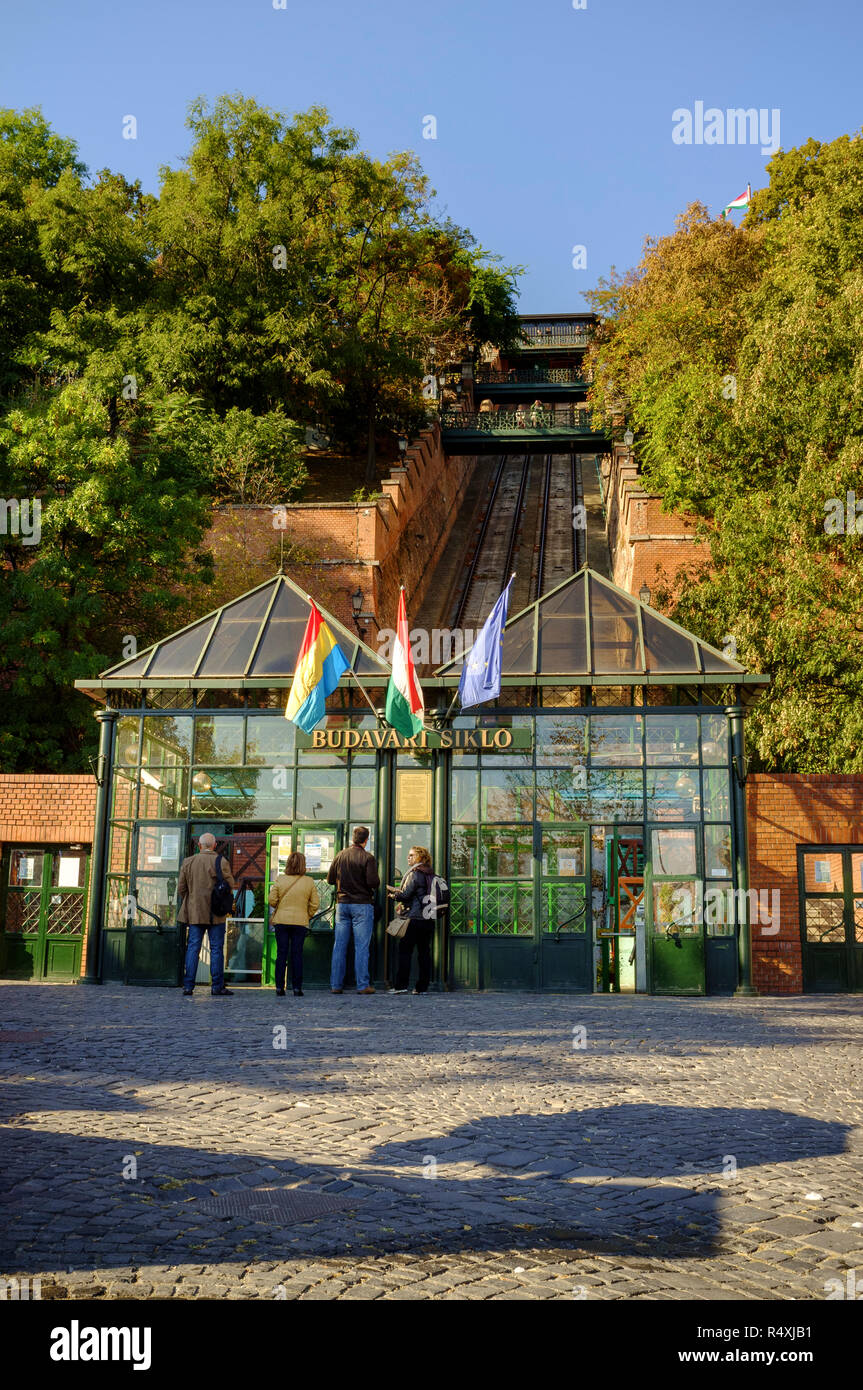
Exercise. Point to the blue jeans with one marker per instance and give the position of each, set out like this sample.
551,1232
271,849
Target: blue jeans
217,954
359,918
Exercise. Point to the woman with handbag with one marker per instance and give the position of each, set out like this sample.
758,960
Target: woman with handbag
295,898
414,895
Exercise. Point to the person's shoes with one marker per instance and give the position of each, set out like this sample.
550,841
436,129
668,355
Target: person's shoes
220,993
187,994
398,991
336,991
419,991
369,989
298,993
280,993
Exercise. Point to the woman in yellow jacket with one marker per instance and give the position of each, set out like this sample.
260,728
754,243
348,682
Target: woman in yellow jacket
295,898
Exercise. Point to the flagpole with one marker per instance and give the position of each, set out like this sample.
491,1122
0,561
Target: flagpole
351,672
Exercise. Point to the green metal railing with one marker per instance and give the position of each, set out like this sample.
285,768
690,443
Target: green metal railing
573,419
530,376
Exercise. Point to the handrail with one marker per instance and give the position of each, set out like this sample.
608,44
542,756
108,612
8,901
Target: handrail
146,911
500,421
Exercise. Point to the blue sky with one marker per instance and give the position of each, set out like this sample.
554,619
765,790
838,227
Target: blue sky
554,124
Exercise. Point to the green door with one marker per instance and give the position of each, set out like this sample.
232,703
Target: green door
320,844
155,941
44,912
672,876
563,917
831,917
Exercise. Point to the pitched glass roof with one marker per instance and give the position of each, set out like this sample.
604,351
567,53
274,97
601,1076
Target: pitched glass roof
588,631
255,640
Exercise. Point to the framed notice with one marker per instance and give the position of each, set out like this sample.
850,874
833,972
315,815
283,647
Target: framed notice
413,795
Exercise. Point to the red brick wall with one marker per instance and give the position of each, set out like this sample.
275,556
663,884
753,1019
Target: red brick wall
47,808
784,810
647,544
331,548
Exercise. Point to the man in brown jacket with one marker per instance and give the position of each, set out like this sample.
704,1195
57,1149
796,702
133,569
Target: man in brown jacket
355,874
195,887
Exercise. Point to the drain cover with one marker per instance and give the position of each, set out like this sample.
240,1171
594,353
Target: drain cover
33,1035
275,1204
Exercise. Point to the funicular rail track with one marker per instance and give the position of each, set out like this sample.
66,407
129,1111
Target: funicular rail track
526,526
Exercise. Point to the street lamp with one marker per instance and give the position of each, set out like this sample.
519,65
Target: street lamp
644,595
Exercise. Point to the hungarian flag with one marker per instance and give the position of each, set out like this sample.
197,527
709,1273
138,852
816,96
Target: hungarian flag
404,709
741,201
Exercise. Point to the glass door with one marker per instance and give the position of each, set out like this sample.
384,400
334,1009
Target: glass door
45,902
563,886
320,844
154,938
673,880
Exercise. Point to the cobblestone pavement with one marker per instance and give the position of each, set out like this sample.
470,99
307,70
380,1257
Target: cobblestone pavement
691,1148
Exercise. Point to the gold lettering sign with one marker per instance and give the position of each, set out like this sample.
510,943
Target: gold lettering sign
492,740
413,795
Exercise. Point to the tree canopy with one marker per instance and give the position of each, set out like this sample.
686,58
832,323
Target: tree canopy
162,353
736,355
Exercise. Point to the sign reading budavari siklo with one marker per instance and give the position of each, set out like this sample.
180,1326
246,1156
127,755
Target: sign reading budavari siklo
491,740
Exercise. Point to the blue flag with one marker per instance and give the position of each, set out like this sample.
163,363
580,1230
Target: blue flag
480,677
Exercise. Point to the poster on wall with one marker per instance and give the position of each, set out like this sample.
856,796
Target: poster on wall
69,872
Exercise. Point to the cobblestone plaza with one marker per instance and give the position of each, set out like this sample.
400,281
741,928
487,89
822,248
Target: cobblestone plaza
462,1146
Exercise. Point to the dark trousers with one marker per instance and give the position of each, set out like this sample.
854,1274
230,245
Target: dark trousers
419,934
290,939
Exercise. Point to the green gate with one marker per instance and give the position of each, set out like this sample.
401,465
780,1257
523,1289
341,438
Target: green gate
43,912
521,921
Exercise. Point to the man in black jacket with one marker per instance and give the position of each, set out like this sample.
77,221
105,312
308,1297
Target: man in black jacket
355,874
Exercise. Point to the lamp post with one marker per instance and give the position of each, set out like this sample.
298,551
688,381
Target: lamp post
644,595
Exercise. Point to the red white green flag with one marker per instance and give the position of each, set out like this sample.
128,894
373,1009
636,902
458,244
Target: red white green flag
741,201
404,709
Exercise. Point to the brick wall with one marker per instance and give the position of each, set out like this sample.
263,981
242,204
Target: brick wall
648,546
785,810
332,548
47,808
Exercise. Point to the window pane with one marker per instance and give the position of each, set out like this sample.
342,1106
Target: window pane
270,739
673,795
615,739
164,793
243,793
68,868
219,739
463,909
463,794
672,738
714,738
507,851
167,741
160,848
124,799
824,920
406,837
128,740
463,862
363,783
560,739
563,853
856,871
158,895
717,851
25,868
822,871
673,852
507,795
506,909
719,909
717,794
120,849
610,795
322,794
614,632
559,792
675,906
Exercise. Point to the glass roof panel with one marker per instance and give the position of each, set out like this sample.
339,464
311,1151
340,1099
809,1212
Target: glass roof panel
135,666
613,632
283,635
563,631
715,665
235,636
366,664
517,652
667,651
179,655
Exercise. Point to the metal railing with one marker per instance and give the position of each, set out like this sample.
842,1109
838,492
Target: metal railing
554,336
570,418
528,376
